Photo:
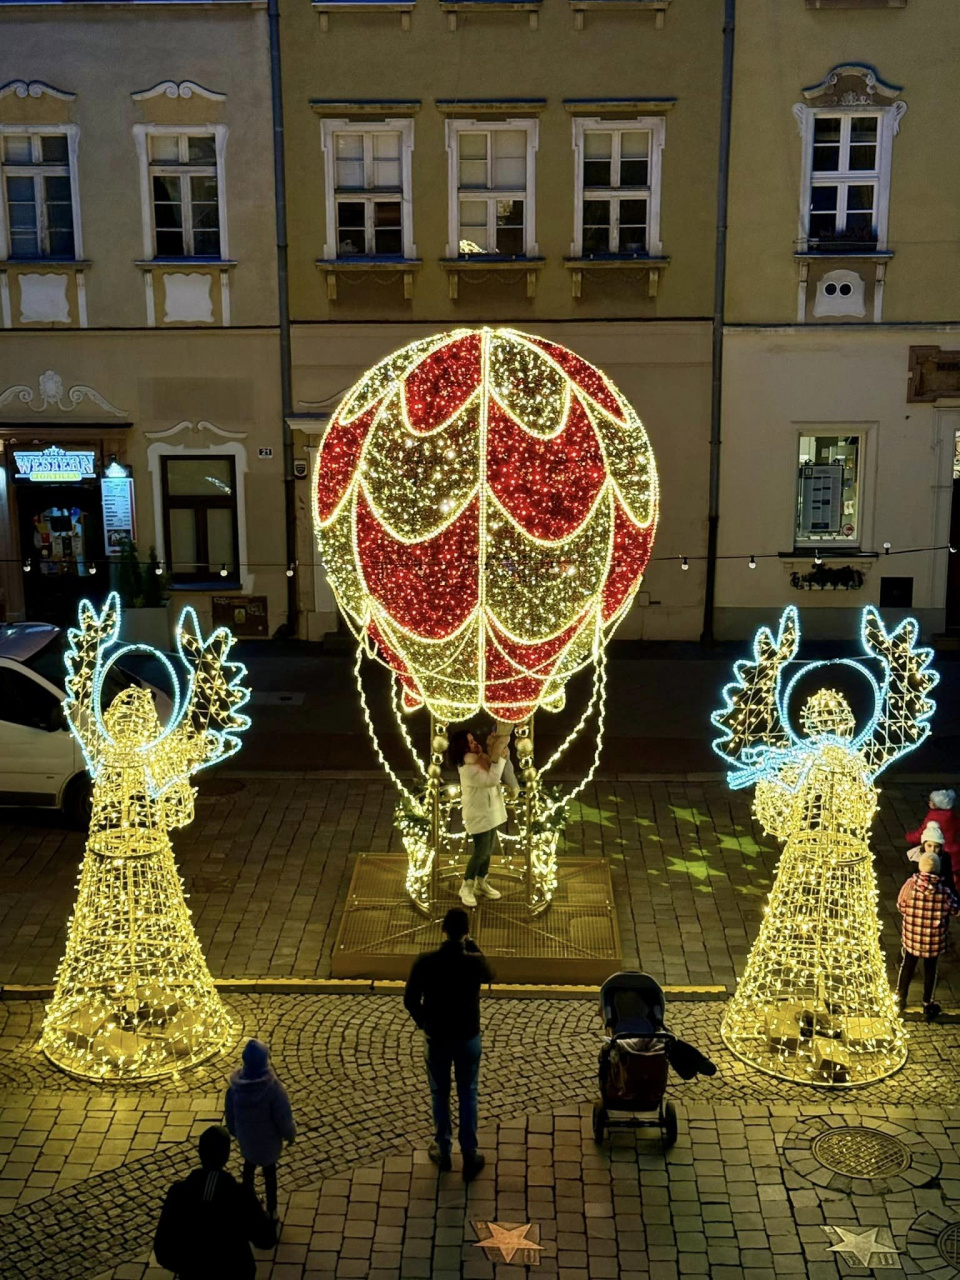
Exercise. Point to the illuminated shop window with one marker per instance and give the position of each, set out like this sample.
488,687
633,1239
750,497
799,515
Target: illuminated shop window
828,491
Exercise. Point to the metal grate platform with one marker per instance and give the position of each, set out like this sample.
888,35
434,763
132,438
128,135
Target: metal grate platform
574,941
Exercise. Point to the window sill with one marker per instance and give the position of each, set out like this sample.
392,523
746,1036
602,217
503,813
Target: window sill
818,255
614,262
453,9
221,584
33,263
490,262
325,7
332,267
657,7
184,264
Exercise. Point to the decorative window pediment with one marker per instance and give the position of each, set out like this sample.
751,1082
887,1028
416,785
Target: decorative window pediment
851,84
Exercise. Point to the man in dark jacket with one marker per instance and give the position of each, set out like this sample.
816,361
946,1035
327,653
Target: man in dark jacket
443,998
209,1220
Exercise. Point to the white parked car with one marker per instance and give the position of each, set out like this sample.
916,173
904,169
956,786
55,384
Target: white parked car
41,764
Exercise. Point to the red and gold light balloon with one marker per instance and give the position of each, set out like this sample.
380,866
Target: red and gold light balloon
486,507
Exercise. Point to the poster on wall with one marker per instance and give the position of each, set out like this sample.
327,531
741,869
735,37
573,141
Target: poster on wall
246,616
119,521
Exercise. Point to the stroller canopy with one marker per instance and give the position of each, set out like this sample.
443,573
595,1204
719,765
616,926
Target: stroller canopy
632,1003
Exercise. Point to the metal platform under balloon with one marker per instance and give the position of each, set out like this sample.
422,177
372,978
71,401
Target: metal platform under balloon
575,941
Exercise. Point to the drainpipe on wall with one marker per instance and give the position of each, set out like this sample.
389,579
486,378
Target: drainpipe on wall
719,291
283,308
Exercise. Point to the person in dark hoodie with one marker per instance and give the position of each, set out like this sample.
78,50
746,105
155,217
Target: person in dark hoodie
926,905
258,1115
209,1220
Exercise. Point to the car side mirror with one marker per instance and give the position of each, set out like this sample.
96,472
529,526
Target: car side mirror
56,719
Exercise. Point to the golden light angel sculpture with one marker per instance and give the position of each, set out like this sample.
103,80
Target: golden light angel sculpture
814,1003
486,507
134,998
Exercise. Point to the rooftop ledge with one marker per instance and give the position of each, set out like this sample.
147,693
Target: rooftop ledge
615,262
332,267
477,262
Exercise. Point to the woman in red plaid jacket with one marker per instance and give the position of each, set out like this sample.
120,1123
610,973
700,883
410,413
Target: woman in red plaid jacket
926,905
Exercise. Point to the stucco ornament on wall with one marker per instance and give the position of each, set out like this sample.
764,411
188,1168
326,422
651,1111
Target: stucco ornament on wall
187,298
183,89
50,394
840,293
34,89
43,299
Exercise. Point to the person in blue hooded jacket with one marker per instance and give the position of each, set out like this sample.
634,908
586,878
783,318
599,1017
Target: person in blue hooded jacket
258,1115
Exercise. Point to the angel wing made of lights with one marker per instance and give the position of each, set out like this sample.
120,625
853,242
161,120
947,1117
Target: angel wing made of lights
96,633
205,722
751,717
211,721
905,705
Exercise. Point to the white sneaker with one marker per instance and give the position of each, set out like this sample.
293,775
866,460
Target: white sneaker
467,895
485,887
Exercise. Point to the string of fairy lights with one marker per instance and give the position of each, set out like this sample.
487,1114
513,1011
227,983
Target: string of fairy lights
817,554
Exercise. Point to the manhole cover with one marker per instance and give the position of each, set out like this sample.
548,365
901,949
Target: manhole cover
861,1153
948,1242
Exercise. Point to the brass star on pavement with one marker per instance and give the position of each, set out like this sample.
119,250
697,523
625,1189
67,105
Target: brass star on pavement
864,1244
508,1237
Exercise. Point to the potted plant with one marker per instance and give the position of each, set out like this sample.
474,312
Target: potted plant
144,593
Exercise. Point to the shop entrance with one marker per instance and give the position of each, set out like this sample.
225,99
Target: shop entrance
61,537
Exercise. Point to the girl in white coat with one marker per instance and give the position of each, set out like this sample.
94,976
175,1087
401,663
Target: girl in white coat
482,805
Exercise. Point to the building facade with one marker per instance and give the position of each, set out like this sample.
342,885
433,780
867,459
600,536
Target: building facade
550,166
841,405
139,365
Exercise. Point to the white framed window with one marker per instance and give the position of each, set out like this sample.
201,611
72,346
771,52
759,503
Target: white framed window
183,191
40,207
617,204
492,188
845,194
368,189
829,488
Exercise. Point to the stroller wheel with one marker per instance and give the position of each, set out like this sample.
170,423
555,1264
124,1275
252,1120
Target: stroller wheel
668,1125
599,1121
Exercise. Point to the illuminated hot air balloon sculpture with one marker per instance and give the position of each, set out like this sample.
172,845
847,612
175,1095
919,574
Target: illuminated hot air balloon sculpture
486,507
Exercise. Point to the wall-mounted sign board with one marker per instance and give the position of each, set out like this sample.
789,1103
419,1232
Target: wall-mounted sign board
55,465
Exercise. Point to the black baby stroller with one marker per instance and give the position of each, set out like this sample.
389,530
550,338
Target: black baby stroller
636,1058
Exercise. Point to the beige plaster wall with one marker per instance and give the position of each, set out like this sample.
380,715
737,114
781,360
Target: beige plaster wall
159,380
783,47
777,381
103,54
496,55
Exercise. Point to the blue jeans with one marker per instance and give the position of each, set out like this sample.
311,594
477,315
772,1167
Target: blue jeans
464,1057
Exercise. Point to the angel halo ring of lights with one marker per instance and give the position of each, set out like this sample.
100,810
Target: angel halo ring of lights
814,1003
486,503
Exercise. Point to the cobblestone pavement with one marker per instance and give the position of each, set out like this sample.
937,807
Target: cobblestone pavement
267,866
743,1194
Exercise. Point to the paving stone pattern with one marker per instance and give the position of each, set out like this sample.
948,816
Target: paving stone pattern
86,1168
267,867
